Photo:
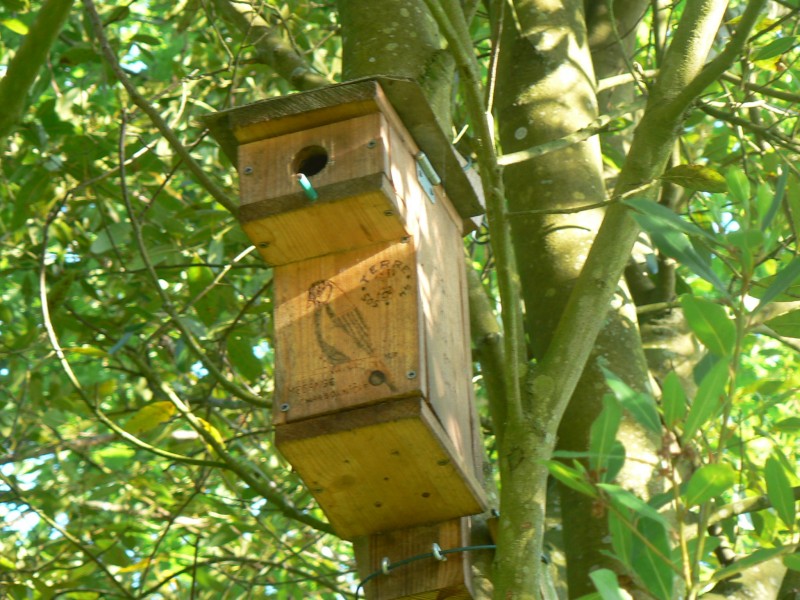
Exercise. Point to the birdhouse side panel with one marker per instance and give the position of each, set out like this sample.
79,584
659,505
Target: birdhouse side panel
436,229
347,330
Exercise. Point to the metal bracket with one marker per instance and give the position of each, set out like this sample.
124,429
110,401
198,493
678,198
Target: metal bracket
427,176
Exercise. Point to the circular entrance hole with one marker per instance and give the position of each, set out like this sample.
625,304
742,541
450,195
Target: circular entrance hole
310,161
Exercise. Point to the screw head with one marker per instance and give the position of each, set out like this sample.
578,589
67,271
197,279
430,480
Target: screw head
371,144
284,407
263,244
248,170
388,213
411,374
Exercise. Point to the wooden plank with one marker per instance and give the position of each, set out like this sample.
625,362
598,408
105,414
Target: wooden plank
436,229
380,468
347,331
328,226
287,114
425,579
351,149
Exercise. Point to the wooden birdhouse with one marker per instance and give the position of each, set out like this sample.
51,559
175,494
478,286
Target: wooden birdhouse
356,198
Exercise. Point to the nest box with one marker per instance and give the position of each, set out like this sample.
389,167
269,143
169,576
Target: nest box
359,202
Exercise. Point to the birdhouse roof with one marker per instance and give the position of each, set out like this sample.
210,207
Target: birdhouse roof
287,114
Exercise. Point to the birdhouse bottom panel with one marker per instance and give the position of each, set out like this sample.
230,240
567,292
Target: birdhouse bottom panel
380,468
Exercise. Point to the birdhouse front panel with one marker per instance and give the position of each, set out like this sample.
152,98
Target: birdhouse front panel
348,200
347,331
429,578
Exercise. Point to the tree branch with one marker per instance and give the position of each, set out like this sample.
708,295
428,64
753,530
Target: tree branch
216,191
27,62
270,46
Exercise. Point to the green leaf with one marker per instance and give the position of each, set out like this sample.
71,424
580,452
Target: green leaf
710,323
673,399
671,237
788,425
779,491
792,561
627,499
667,218
787,324
572,478
240,352
696,177
776,47
707,402
777,199
605,580
709,482
640,405
756,558
621,537
147,40
604,432
150,416
783,279
651,560
739,185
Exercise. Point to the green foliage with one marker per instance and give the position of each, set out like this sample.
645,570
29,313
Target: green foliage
136,337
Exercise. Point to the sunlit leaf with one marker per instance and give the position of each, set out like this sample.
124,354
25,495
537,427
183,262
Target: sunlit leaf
605,580
604,432
783,279
673,399
150,416
774,48
571,478
779,491
708,401
710,323
633,502
215,434
640,405
15,25
709,481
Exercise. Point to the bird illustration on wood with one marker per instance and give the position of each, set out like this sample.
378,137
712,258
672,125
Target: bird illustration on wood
339,327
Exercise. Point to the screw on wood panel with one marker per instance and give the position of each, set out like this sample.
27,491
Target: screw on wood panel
371,144
378,504
377,378
388,213
411,374
404,239
248,170
443,462
263,244
284,407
